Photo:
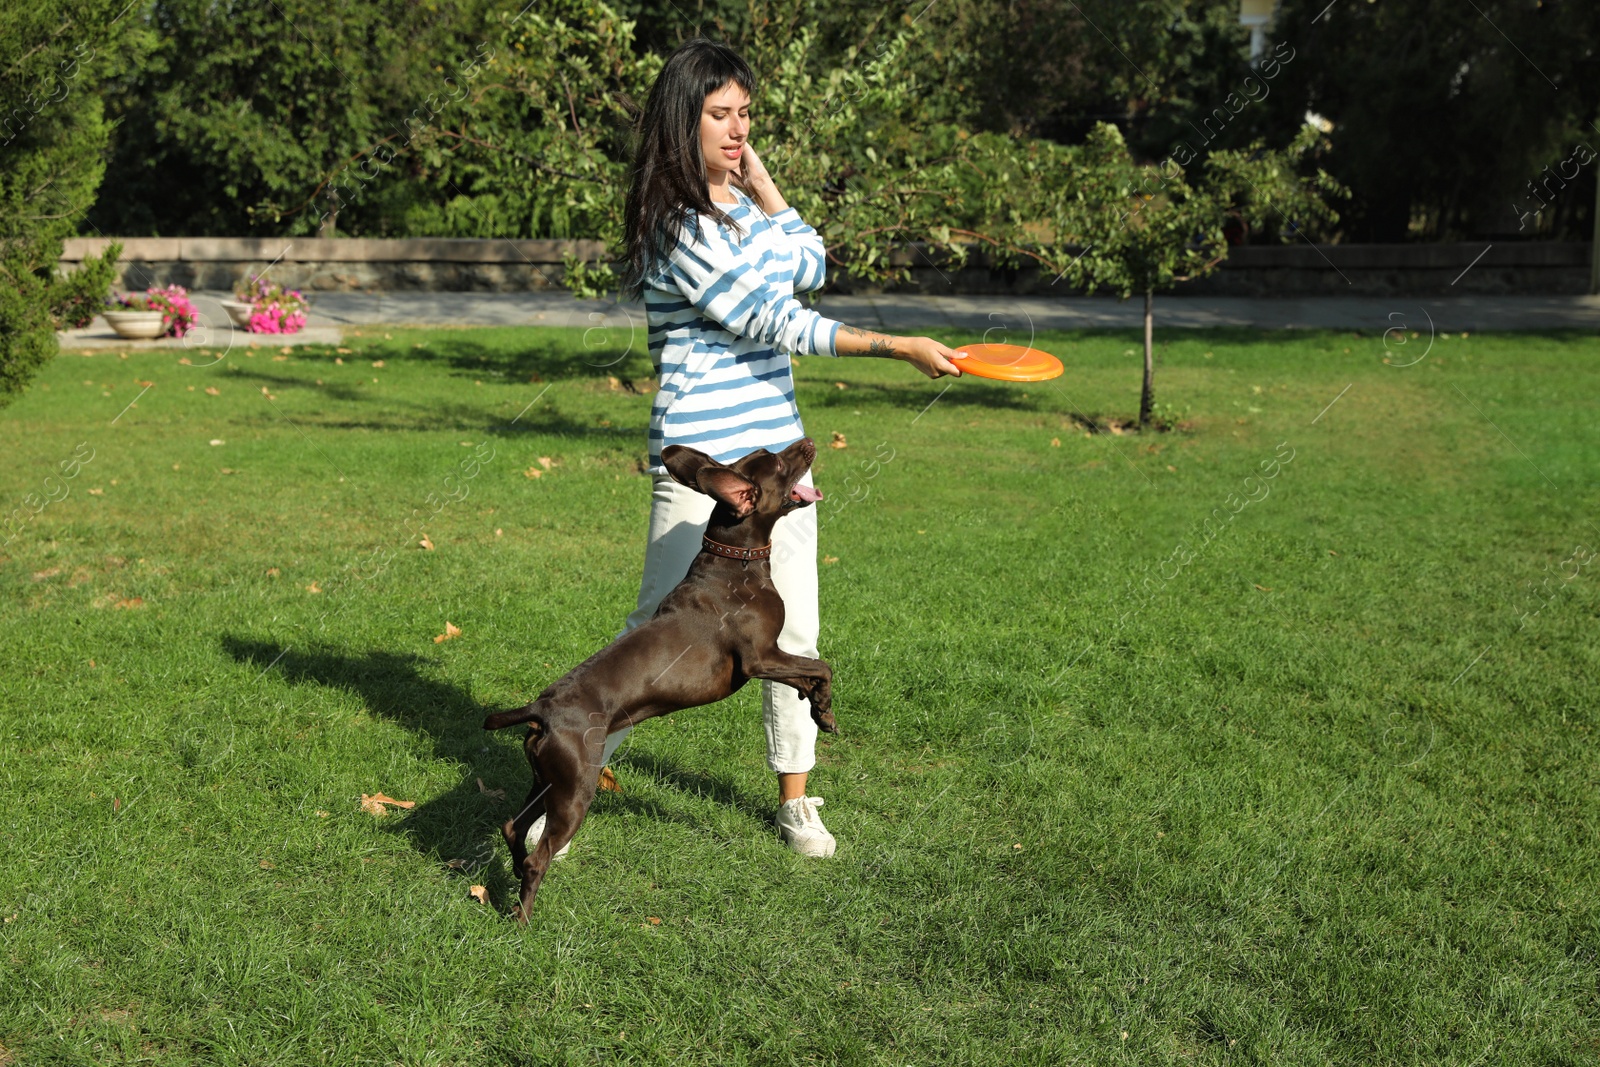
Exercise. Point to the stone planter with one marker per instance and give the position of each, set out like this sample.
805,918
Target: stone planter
136,325
239,312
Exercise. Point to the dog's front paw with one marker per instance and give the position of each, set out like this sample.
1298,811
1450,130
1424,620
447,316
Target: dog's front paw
824,719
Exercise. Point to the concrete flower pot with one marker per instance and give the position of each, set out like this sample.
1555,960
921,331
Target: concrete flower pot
239,312
136,325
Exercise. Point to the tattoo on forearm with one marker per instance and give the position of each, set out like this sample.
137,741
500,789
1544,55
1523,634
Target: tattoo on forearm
880,345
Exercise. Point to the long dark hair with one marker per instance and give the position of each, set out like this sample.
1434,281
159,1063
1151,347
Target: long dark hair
669,173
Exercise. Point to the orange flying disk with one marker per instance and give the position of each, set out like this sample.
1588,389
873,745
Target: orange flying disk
1010,363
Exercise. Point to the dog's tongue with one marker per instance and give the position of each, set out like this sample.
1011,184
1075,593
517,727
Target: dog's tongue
806,493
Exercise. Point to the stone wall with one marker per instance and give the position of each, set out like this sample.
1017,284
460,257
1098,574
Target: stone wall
500,265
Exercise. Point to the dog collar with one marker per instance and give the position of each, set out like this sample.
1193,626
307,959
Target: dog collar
720,549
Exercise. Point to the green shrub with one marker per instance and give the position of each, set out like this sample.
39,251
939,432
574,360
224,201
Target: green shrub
53,138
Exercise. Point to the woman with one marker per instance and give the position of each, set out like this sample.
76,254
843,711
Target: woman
717,255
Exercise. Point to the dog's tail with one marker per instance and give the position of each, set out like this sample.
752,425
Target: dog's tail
501,719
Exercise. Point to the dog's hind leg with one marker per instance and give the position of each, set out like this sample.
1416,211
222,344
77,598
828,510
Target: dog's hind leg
515,830
571,773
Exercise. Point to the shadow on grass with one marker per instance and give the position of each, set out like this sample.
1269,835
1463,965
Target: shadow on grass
537,363
455,825
671,774
464,823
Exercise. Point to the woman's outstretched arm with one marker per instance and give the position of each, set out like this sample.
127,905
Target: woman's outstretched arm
924,353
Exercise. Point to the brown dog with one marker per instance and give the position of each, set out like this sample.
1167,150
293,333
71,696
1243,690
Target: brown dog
717,629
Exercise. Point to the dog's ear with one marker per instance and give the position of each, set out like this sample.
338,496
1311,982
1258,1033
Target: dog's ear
730,487
684,463
694,468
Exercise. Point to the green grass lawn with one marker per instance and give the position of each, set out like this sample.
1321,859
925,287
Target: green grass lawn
1270,739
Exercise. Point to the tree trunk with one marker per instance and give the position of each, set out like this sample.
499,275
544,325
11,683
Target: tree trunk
1148,394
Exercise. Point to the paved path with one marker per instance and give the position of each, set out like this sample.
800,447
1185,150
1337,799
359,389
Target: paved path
897,313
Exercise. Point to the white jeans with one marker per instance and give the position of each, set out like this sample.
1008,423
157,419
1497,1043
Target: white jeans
678,518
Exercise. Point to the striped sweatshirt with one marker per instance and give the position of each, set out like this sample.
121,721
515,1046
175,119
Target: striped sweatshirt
723,320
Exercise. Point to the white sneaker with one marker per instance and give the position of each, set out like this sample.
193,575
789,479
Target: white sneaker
800,826
530,840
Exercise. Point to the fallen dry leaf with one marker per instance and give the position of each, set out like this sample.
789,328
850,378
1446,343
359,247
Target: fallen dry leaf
229,470
608,781
1171,468
1331,552
614,383
1263,588
129,602
97,492
830,559
497,794
343,352
272,572
285,349
313,588
533,472
212,390
480,894
652,920
216,440
498,531
265,865
377,363
40,576
838,440
425,543
375,803
840,385
546,462
450,630
339,359
184,362
1055,442
146,384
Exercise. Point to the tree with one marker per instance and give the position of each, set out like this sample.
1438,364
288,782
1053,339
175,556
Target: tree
252,118
1143,228
1417,91
53,134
